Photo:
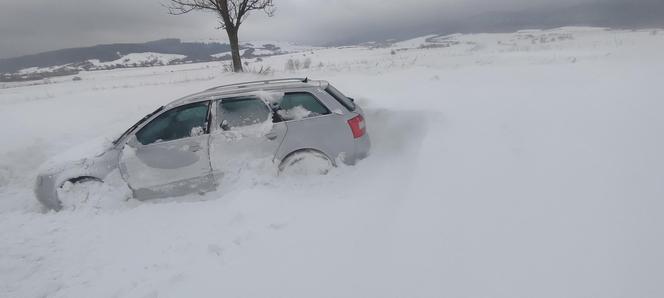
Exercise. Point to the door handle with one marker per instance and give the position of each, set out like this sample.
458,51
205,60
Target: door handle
271,136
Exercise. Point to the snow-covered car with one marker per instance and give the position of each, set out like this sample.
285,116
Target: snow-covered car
189,144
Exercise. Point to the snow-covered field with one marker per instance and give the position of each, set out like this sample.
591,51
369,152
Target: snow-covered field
528,164
138,58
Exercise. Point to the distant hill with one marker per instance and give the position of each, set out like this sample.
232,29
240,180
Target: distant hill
614,14
123,55
110,52
620,14
606,13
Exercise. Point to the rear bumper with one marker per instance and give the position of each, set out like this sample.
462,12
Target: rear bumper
362,147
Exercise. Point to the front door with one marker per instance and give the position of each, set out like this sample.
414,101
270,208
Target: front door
170,156
244,137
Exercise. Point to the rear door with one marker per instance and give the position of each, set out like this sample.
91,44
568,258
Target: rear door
169,156
243,136
313,125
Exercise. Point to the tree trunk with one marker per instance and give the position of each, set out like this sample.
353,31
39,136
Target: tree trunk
235,49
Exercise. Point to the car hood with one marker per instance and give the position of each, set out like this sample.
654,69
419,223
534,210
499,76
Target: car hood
78,155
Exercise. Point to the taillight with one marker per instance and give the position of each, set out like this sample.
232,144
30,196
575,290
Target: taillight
357,126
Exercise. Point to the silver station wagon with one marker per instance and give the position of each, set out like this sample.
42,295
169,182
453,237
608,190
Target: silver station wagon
189,144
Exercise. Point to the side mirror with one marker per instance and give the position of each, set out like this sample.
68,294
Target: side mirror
351,99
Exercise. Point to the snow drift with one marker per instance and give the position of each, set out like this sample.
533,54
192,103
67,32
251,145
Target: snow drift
504,165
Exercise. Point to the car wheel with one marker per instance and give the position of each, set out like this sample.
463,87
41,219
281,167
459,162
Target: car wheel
77,192
307,162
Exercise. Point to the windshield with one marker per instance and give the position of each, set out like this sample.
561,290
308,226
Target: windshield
128,131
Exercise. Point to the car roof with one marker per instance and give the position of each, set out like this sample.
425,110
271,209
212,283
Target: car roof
248,87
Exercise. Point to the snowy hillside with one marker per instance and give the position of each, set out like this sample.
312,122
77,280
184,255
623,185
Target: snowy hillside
267,48
147,59
526,164
138,59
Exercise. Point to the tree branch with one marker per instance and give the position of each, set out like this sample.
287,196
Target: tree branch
179,7
231,14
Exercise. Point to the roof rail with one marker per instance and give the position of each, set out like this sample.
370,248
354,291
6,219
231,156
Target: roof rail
303,80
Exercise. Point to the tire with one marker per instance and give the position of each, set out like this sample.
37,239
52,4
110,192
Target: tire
306,162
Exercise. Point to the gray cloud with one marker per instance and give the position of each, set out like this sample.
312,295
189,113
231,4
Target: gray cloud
28,27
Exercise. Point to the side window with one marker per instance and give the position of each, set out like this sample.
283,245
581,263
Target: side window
243,111
181,122
300,105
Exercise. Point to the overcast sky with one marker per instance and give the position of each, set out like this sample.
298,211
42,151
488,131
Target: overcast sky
32,26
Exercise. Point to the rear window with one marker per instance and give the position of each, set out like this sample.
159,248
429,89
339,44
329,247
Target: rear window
340,97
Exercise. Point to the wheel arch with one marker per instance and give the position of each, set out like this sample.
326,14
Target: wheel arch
81,178
302,150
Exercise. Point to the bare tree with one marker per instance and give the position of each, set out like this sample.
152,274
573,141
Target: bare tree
231,13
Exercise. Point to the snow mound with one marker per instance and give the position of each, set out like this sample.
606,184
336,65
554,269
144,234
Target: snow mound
112,194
